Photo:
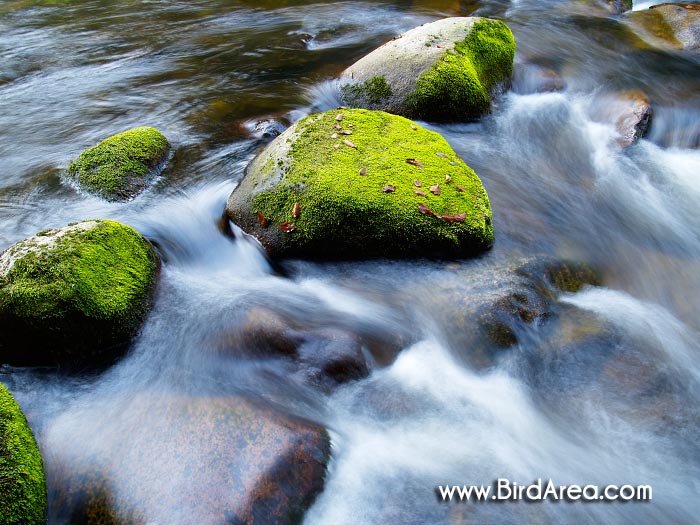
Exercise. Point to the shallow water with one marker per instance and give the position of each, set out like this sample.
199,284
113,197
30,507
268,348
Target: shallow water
619,406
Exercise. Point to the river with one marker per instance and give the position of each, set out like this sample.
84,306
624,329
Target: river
618,407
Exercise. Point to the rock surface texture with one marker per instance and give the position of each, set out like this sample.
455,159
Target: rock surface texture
22,479
122,166
447,70
74,295
670,25
356,183
205,460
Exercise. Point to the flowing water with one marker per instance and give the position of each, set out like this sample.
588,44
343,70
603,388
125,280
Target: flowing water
617,406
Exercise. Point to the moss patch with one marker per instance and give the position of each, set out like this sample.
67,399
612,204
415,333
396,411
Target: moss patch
373,90
22,479
459,85
103,272
74,295
119,167
344,206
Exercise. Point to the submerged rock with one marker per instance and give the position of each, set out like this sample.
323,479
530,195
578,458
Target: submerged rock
74,295
121,167
669,25
357,183
325,357
204,460
629,111
447,70
22,479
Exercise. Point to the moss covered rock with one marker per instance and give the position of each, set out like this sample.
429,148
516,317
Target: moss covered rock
447,70
22,479
359,183
204,460
671,25
74,295
121,167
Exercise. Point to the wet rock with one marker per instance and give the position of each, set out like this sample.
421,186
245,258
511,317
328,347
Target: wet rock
266,128
529,79
669,25
323,357
630,111
615,7
204,460
319,191
122,166
75,295
447,70
22,478
490,309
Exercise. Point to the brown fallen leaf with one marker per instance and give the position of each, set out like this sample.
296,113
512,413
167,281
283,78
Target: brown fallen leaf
345,132
417,183
457,217
415,162
440,46
363,171
336,125
425,210
413,127
440,154
419,192
262,220
448,178
350,143
460,188
339,117
389,188
287,227
342,107
334,136
336,146
435,190
296,210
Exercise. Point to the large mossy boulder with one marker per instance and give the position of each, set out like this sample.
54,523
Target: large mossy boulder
357,183
122,166
178,459
447,70
74,295
22,479
673,25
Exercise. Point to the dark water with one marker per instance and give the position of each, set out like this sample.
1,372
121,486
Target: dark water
609,394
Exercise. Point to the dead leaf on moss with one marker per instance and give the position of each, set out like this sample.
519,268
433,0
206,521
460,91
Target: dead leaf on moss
334,136
417,183
448,178
296,210
336,125
435,190
287,227
389,188
339,117
345,132
350,143
460,188
440,154
415,162
413,127
425,210
363,171
336,146
419,192
457,217
262,220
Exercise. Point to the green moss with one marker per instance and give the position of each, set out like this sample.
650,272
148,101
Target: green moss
118,167
22,479
104,272
459,85
340,192
372,90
